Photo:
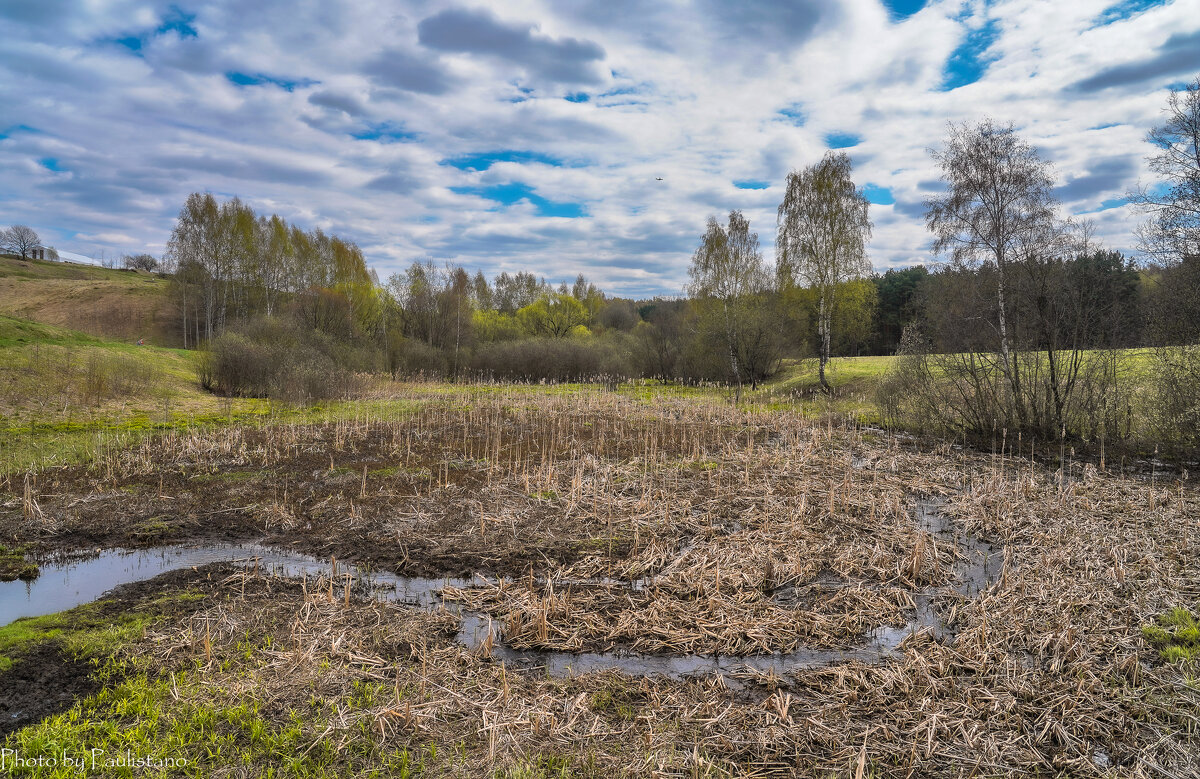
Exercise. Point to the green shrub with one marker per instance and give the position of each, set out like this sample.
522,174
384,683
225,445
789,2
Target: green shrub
281,359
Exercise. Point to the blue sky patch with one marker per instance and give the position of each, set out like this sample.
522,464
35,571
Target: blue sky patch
902,9
1125,9
508,194
385,132
50,163
1106,205
880,196
177,21
794,114
751,184
842,140
634,96
18,128
260,79
485,160
969,61
578,97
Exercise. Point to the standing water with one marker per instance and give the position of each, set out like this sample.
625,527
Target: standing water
65,585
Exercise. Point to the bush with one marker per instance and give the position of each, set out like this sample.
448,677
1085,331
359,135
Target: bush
967,393
111,376
280,359
604,359
1174,400
415,358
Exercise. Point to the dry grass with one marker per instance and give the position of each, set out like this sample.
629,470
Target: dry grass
748,532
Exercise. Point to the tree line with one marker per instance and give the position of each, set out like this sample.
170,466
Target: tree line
1023,325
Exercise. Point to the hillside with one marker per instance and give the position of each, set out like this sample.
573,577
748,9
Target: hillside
64,394
115,304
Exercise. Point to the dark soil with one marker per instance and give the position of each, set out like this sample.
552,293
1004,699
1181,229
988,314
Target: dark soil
45,680
396,499
42,682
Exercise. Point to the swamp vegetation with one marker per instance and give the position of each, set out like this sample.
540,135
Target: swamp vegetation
1038,612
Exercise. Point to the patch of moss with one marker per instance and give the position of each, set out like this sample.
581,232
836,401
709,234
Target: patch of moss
13,565
88,631
1175,634
150,529
175,723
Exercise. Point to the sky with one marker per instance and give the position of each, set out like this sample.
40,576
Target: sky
592,136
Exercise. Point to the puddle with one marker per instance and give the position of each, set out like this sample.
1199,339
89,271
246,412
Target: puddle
65,585
983,563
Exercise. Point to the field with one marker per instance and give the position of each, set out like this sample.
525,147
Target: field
105,302
65,395
565,581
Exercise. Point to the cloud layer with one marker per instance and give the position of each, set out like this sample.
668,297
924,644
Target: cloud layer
533,135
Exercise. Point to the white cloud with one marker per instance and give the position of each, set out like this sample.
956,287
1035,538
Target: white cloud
114,113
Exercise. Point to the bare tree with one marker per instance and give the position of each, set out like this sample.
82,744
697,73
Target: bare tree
144,262
1173,231
1171,237
660,339
823,228
998,209
20,239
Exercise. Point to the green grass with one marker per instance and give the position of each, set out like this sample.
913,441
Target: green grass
1175,634
13,565
22,332
172,724
85,632
845,374
174,721
66,396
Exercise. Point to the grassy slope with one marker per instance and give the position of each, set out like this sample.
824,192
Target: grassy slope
103,302
64,393
846,374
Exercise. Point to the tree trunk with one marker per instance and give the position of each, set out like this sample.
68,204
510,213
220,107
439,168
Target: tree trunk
823,323
731,338
1011,370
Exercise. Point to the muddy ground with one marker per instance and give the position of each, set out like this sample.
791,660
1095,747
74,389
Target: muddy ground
604,524
46,678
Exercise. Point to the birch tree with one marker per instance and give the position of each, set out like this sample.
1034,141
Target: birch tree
998,209
727,271
823,227
1173,232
